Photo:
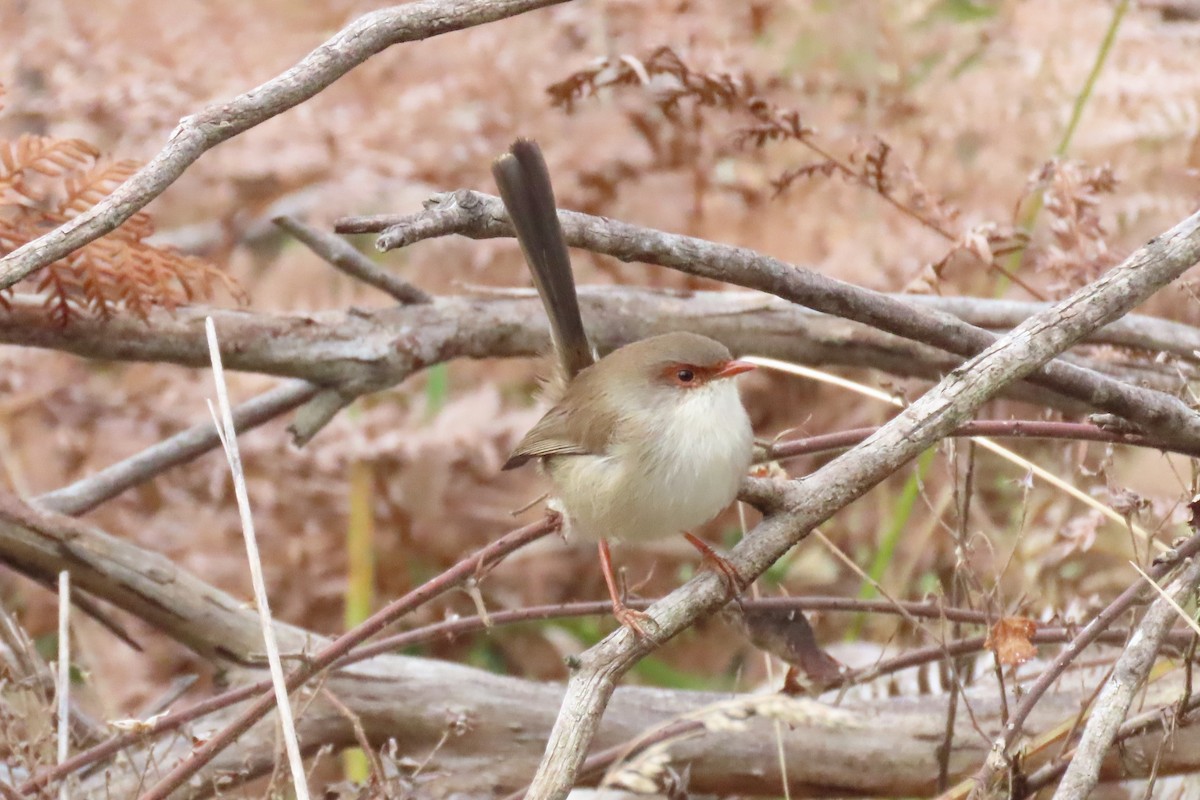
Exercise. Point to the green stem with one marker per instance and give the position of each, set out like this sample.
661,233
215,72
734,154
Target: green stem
887,545
1081,100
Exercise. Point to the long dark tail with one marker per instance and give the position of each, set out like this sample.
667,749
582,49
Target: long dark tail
524,182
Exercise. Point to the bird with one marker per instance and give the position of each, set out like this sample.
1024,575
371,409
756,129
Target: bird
650,440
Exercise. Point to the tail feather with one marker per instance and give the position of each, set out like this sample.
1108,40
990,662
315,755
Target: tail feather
524,183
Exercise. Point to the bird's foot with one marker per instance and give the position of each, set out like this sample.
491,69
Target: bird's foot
733,580
636,621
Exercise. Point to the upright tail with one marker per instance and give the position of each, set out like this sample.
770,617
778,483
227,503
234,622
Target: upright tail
524,182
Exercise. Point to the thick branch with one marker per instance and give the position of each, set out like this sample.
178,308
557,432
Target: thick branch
354,44
481,216
367,351
417,701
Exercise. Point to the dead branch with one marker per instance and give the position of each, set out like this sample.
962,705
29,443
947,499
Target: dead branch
87,493
1129,675
364,351
342,255
505,719
482,216
811,500
196,134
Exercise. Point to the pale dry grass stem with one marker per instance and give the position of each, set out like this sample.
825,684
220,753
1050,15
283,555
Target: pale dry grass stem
223,419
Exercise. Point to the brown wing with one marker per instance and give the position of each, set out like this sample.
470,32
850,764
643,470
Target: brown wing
558,433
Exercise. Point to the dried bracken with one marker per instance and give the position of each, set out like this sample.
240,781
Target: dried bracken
44,182
1078,250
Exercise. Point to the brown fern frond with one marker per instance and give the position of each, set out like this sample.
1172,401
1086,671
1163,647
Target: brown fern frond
126,272
668,81
1077,251
45,182
44,155
874,171
670,78
85,189
774,124
62,292
784,182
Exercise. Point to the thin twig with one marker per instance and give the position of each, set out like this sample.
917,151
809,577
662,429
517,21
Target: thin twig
379,776
995,428
341,254
84,495
62,697
957,590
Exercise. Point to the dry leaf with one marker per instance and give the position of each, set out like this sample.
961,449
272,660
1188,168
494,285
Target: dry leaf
1009,640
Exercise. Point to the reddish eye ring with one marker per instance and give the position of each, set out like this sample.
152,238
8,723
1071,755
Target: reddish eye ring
685,376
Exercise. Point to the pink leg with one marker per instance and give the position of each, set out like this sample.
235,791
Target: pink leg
629,617
714,559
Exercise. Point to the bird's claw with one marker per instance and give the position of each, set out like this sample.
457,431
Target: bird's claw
733,580
636,621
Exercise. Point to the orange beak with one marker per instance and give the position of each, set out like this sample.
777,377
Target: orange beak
732,368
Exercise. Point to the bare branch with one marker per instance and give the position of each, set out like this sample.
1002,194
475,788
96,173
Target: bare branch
1091,632
359,352
341,254
509,717
995,428
196,134
482,216
1128,676
810,501
84,495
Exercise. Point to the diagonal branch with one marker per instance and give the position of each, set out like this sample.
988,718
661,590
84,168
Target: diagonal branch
482,216
1128,676
810,501
408,699
342,255
196,134
84,495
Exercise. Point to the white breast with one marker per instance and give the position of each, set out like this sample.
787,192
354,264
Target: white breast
679,472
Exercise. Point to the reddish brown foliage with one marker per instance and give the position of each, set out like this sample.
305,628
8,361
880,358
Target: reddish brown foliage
45,182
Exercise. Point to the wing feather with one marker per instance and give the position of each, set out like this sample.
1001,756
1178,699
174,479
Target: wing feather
583,433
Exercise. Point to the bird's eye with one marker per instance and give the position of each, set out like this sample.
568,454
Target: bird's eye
685,376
